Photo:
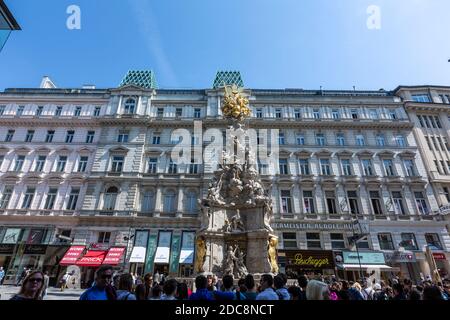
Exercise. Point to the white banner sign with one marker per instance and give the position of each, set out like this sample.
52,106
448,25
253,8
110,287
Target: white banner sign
163,250
187,248
138,255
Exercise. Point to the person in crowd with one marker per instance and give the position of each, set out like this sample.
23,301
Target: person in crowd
446,287
227,293
211,286
267,291
302,283
64,281
343,291
379,294
102,288
294,292
156,292
143,291
21,277
414,295
45,284
407,287
367,291
355,292
399,292
32,287
157,277
116,280
280,289
432,293
249,283
182,291
334,290
125,287
317,290
202,292
170,290
2,275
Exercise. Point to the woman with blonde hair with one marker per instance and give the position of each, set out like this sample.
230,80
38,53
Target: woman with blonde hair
32,287
317,290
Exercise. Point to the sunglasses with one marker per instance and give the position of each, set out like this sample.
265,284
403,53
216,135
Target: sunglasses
38,280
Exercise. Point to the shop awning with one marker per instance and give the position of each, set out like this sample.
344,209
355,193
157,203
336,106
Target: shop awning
356,267
187,256
72,255
114,256
138,255
92,259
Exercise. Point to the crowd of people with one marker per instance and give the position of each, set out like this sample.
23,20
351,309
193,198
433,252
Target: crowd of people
124,286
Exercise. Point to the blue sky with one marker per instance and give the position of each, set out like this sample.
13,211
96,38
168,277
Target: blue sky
274,43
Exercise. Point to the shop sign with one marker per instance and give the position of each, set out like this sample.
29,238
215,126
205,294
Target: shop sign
151,248
114,256
163,251
399,257
35,236
310,259
35,249
439,256
351,257
313,226
12,235
187,248
6,248
140,247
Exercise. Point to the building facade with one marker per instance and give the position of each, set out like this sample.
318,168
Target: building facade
94,166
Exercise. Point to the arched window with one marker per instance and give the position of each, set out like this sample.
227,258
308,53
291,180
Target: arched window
130,106
109,202
148,201
191,202
169,201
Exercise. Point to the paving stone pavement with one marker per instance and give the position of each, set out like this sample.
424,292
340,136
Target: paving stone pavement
7,292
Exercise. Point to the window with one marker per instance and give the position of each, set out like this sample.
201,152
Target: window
316,113
148,201
325,167
286,202
422,124
173,168
117,163
443,166
82,164
367,167
346,167
410,168
446,193
313,240
360,140
40,162
259,113
49,136
283,165
103,237
392,114
421,203
447,146
28,199
2,158
376,202
61,164
97,111
69,136
178,112
77,111
385,241
50,200
363,243
399,207
5,196
320,139
152,165
9,135
340,139
29,136
448,165
278,113
427,139
409,241
169,202
191,202
2,109
281,138
197,113
438,167
331,202
304,167
73,199
130,105
380,140
427,123
308,202
156,139
433,241
160,112
262,167
20,111
300,139
421,98
289,240
39,110
354,113
58,111
388,167
400,140
441,143
109,201
123,136
297,114
193,168
353,202
90,137
19,163
373,114
337,241
335,114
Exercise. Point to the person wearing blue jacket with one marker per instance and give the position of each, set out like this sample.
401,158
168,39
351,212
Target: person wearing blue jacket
202,292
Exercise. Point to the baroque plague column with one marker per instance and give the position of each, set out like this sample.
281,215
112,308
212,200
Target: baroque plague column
236,237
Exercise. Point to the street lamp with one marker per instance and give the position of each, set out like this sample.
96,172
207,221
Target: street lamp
126,249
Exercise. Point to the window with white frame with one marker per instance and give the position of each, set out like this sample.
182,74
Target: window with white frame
122,137
5,196
278,113
330,197
49,136
392,114
20,111
77,112
40,163
354,114
9,135
197,113
28,198
262,167
421,98
337,241
29,136
283,166
360,141
304,167
353,203
130,106
286,202
51,198
90,136
335,114
316,113
433,241
69,136
82,163
385,241
375,200
97,111
104,237
300,138
152,165
388,167
313,240
259,113
173,168
61,164
367,167
110,198
340,139
320,139
410,168
308,202
156,138
281,138
2,109
58,111
160,112
169,201
400,140
325,167
297,113
409,241
193,167
421,203
178,112
117,163
73,199
346,167
399,206
19,163
148,201
191,202
380,140
289,240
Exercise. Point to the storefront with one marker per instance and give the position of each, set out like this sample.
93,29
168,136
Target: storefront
309,262
162,255
363,264
404,264
137,258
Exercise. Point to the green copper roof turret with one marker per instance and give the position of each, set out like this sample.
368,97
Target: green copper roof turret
228,78
142,78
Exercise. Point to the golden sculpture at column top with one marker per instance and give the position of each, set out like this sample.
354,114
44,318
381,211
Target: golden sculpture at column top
235,105
200,255
272,250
